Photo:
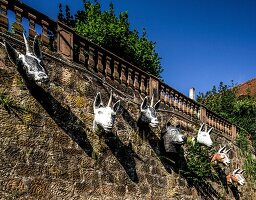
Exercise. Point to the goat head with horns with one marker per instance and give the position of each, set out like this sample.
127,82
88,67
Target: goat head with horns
221,156
236,177
203,137
148,112
104,116
30,63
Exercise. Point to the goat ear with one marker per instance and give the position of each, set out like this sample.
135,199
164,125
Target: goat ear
116,106
210,130
157,105
227,150
97,102
144,104
201,128
236,171
11,52
37,49
221,150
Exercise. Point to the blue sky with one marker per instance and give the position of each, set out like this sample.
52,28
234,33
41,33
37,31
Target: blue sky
201,42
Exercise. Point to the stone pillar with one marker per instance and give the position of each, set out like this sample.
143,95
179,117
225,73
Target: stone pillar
64,40
3,16
136,81
91,60
123,75
108,70
44,37
129,80
142,84
32,31
81,56
154,87
99,66
203,117
18,28
115,73
233,132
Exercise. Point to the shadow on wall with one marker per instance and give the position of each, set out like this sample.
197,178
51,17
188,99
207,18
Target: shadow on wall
175,161
63,117
74,128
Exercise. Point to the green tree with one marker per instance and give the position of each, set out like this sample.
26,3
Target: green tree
113,32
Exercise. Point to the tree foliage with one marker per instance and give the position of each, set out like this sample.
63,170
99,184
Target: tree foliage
238,110
113,32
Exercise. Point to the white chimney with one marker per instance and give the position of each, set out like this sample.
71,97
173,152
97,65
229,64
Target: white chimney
192,93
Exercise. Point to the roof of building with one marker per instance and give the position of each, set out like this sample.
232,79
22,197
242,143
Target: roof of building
247,88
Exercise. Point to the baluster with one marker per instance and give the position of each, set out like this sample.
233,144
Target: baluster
32,31
184,105
18,28
116,73
136,81
180,103
108,70
129,80
162,93
123,75
99,66
3,16
188,107
142,84
176,97
91,61
81,56
167,96
44,37
171,98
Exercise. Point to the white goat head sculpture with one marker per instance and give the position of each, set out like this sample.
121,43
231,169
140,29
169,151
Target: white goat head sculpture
203,137
221,156
236,177
148,112
30,63
173,135
104,116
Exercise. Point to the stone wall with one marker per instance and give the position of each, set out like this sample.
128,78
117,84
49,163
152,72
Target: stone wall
49,150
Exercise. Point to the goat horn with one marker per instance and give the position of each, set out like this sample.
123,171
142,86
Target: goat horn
152,101
110,99
28,49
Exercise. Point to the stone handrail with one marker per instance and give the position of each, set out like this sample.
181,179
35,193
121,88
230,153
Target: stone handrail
34,17
107,65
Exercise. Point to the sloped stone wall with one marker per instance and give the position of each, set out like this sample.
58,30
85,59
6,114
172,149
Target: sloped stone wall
49,150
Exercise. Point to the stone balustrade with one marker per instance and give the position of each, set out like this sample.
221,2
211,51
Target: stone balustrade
107,65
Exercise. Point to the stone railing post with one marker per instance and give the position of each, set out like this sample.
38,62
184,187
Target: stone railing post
108,68
64,41
123,75
142,84
129,79
18,28
3,16
32,31
233,131
136,81
203,117
99,66
115,73
44,37
81,56
154,87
